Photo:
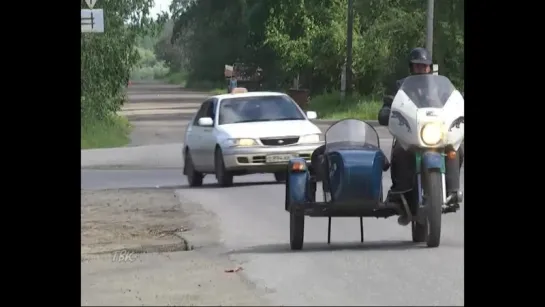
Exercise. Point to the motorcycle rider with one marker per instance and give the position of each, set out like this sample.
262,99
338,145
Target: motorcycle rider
402,163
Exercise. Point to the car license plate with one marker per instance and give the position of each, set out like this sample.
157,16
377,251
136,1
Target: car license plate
278,158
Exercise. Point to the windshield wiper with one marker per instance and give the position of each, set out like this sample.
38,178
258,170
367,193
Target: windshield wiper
289,118
267,120
250,121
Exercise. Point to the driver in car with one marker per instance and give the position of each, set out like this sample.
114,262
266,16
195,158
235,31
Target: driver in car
402,165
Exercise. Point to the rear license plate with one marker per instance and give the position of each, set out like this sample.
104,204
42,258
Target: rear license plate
278,158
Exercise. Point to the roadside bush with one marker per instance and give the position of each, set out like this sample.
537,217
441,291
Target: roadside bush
177,78
155,72
148,67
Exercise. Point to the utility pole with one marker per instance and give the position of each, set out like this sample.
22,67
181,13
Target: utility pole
349,30
429,27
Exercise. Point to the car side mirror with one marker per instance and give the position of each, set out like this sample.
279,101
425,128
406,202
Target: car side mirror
312,115
206,122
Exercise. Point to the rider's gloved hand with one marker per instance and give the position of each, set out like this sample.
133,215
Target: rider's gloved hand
386,164
384,116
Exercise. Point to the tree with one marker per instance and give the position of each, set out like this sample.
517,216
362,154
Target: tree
308,37
107,58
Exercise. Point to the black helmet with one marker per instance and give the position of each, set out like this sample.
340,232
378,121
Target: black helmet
419,56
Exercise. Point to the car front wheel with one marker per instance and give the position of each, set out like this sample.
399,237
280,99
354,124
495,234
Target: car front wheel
225,178
194,178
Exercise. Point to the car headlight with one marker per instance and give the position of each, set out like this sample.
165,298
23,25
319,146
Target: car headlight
431,133
310,138
241,142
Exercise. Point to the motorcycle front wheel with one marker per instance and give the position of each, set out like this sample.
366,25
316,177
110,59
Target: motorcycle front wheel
433,191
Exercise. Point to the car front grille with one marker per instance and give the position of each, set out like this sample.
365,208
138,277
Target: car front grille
279,141
305,156
258,159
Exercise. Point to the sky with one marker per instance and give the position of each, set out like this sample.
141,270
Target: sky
160,5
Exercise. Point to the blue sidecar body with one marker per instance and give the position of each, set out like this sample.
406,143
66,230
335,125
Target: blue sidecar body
350,167
355,175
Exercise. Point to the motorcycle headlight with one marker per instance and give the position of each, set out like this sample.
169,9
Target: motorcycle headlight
431,133
310,138
241,142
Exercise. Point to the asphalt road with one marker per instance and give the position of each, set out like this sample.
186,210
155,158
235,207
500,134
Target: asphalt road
387,269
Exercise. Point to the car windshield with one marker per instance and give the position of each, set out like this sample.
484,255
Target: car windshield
350,133
258,109
428,91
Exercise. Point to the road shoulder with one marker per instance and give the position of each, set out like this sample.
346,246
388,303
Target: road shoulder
132,253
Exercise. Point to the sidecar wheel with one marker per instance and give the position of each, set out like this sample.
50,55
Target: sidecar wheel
297,230
280,176
434,207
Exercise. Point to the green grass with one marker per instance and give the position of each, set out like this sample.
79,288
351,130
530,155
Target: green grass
112,132
177,78
218,91
329,106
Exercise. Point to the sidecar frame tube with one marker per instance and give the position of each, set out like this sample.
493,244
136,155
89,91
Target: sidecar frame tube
352,209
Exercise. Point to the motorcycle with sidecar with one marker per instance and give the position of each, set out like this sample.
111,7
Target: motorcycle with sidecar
427,117
350,166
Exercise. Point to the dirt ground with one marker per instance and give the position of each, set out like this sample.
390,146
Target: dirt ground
133,253
139,221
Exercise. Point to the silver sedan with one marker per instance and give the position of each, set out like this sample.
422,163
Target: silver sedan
247,133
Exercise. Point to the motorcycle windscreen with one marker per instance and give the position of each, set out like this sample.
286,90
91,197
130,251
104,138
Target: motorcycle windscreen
428,91
351,132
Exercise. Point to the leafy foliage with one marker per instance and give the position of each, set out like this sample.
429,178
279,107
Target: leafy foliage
148,67
308,38
107,58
